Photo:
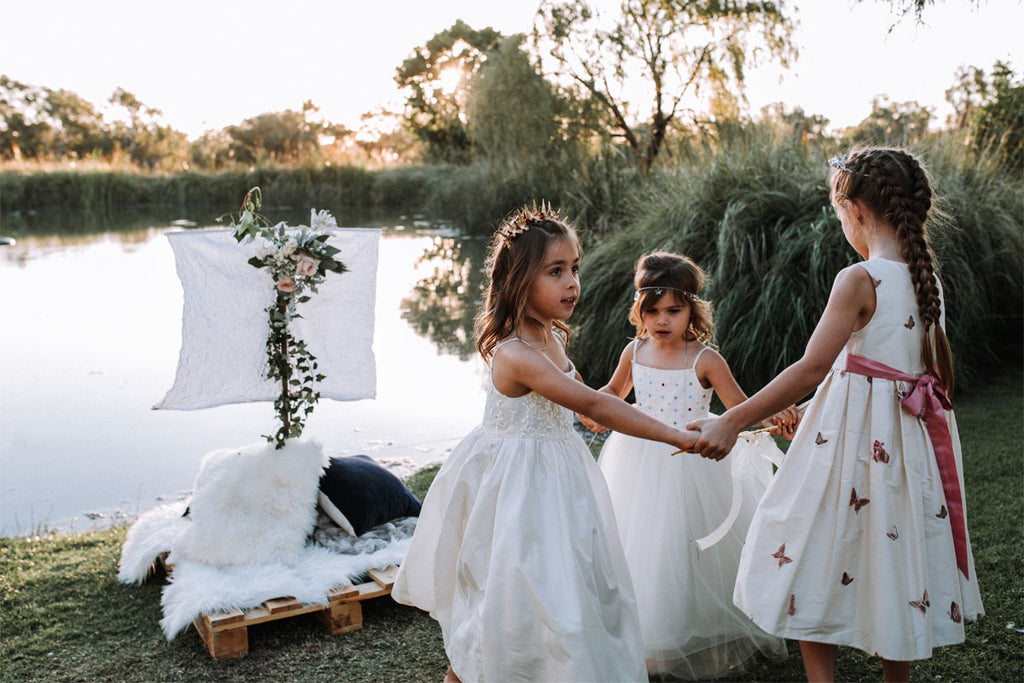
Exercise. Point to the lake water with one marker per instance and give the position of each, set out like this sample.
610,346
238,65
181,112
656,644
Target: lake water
90,339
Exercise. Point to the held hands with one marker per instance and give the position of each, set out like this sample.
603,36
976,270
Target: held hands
685,441
716,438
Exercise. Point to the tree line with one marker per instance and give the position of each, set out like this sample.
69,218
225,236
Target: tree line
652,77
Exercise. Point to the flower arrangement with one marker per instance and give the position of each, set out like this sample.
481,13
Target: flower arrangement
297,259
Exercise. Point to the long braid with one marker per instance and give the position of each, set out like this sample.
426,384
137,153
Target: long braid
902,196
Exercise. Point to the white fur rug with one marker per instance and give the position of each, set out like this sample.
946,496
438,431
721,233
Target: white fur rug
244,541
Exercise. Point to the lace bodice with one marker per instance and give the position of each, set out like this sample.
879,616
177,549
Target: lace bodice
672,396
530,416
526,417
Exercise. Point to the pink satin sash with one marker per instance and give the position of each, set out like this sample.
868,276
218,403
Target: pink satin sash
927,400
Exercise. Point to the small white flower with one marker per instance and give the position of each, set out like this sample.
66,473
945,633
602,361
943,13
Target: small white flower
289,247
321,220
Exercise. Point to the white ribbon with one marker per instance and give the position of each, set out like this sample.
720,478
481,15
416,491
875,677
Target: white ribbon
760,444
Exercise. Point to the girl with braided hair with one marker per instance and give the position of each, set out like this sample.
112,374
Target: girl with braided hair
516,552
861,537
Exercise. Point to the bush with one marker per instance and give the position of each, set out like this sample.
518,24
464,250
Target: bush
757,218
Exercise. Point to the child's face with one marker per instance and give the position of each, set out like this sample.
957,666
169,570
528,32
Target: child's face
556,286
668,318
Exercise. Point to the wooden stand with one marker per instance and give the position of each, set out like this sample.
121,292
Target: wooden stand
226,633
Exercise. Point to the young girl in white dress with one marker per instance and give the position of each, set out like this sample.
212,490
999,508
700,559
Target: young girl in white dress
861,538
515,552
690,627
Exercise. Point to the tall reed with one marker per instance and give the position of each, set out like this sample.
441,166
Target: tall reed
756,216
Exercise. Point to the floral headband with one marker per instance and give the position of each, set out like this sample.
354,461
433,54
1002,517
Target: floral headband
658,291
521,221
838,162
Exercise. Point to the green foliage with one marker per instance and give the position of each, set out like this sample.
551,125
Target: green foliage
435,105
756,216
38,123
510,111
891,123
989,110
679,50
297,261
279,136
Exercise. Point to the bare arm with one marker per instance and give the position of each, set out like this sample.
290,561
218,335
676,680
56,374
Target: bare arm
533,371
619,386
850,305
714,370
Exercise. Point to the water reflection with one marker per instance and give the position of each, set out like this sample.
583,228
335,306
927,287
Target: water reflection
91,343
444,304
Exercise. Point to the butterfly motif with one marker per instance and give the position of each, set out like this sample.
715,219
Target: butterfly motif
819,439
780,555
910,323
921,604
856,502
954,612
941,514
847,579
878,453
893,532
875,282
792,605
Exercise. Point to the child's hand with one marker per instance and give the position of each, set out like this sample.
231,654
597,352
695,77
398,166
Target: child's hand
717,437
785,422
595,427
684,441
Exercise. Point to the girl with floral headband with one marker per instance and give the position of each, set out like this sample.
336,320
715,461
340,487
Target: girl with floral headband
861,538
664,505
516,553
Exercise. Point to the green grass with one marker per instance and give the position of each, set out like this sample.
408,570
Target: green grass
65,617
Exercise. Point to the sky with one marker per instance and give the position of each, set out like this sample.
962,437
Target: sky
208,64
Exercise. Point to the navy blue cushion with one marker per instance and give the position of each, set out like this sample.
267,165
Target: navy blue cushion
366,493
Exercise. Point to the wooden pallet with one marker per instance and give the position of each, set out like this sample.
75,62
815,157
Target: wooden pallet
226,634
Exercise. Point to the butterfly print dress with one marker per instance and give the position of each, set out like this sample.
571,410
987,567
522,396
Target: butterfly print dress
858,508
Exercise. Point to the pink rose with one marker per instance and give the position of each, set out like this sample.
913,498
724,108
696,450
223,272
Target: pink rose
286,283
306,266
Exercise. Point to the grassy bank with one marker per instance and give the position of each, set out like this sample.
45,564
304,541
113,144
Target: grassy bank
65,617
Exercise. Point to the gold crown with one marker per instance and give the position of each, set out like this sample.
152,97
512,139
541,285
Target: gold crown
523,218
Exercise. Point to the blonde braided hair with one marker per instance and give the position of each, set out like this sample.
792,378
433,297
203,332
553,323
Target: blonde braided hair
892,184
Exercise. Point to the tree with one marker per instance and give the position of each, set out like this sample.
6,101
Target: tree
892,123
435,79
510,108
281,136
989,110
802,128
674,49
24,133
141,132
915,7
78,129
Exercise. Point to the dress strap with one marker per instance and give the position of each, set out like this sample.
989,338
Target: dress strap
699,353
510,339
636,345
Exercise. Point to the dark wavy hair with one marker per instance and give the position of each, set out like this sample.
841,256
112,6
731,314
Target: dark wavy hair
515,257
